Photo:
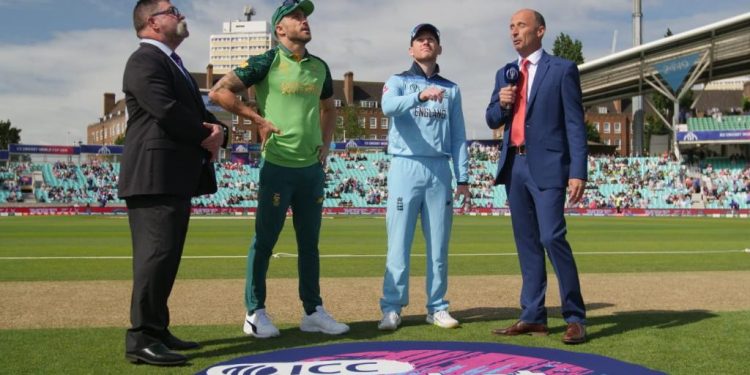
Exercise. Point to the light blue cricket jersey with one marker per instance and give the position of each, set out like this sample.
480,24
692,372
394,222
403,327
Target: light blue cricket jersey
427,129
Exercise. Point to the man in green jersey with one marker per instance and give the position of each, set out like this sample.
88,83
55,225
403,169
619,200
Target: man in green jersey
295,118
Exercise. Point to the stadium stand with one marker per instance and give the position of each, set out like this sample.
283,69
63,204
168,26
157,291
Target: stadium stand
11,182
719,122
359,179
89,183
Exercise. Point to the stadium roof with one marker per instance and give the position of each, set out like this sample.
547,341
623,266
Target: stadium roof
724,49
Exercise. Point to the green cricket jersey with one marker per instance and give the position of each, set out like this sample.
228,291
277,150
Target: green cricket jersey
288,94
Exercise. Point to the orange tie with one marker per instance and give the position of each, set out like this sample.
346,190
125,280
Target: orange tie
519,117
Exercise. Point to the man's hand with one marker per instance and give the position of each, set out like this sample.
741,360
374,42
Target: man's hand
213,142
507,96
576,188
266,128
323,154
432,93
463,190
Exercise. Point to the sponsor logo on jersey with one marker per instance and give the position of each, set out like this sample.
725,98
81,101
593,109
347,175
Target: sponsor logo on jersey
439,113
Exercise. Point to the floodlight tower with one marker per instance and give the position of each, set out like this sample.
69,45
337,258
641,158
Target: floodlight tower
249,12
637,123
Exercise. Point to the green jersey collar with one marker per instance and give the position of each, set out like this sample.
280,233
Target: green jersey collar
289,53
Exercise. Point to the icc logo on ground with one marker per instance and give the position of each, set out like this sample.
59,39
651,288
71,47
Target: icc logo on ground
315,367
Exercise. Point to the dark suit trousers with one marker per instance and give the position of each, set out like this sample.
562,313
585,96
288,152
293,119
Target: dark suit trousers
538,224
158,225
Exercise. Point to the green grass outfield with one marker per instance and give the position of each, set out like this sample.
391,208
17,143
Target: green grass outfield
98,248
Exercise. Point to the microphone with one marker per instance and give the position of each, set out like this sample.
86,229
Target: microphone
511,76
512,73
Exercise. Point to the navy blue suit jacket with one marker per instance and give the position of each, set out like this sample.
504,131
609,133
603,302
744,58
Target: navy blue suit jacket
555,129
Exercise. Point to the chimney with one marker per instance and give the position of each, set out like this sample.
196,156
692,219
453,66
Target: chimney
109,103
349,88
209,76
617,104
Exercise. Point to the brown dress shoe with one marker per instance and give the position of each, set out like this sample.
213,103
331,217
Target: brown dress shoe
523,328
574,334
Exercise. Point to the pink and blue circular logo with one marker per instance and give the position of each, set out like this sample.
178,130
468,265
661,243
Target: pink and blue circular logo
424,358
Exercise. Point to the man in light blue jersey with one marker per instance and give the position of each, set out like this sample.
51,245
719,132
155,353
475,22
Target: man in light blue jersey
427,132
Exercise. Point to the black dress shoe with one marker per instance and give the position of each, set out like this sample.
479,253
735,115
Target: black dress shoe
156,354
173,343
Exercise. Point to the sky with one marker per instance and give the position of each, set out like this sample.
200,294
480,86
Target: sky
57,58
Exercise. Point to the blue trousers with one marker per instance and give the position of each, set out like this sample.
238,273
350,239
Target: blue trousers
417,186
538,224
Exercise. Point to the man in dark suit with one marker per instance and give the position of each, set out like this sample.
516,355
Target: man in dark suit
544,151
170,142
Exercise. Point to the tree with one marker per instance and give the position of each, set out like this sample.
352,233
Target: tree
567,48
653,126
8,134
665,106
350,128
745,104
120,140
591,133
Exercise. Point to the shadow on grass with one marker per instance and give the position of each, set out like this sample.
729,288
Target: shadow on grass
290,337
486,314
598,326
622,322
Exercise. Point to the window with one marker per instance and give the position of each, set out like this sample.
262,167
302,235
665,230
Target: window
619,144
602,110
384,137
618,128
340,121
606,128
361,122
235,119
373,123
596,125
368,104
373,136
609,142
384,123
337,103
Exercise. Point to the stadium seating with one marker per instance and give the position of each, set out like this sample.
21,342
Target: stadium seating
89,183
10,183
740,122
358,179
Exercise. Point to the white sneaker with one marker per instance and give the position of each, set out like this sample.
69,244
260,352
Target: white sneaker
260,325
390,321
320,321
442,319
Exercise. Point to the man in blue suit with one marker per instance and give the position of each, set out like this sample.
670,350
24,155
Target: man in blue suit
544,151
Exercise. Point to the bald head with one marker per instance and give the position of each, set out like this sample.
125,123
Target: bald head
527,28
538,17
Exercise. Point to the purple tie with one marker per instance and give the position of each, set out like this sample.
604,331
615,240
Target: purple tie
178,60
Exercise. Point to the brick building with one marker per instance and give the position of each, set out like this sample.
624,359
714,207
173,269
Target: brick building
365,97
111,125
613,122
